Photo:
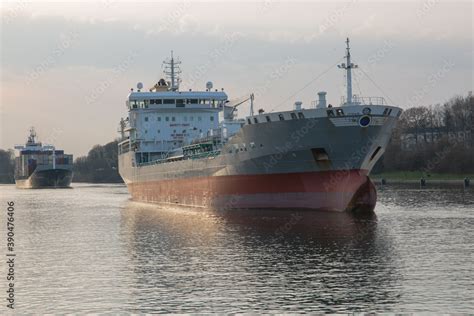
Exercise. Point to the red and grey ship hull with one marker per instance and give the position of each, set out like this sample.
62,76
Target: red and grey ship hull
296,190
314,161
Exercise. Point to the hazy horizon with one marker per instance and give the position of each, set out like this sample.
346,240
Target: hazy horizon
67,68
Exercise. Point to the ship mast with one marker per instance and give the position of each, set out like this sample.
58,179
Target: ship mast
172,71
251,104
348,67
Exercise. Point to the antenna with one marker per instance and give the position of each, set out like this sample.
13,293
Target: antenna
252,97
123,125
32,137
348,67
172,71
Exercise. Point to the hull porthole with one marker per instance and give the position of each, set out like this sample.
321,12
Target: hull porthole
364,121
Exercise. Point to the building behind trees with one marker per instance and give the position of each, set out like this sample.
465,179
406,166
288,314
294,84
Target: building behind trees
436,139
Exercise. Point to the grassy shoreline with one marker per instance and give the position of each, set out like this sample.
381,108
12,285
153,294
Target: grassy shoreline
417,175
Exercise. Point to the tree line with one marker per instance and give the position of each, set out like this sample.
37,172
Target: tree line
99,166
437,138
7,166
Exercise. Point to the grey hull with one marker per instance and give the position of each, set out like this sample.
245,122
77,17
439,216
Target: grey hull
280,147
49,178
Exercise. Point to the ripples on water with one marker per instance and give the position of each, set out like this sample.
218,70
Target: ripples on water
90,249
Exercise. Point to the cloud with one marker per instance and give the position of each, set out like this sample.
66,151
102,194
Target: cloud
68,69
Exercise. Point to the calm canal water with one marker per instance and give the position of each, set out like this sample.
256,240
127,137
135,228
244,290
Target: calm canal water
90,249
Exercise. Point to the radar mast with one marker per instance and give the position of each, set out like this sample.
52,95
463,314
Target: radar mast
172,70
32,137
348,67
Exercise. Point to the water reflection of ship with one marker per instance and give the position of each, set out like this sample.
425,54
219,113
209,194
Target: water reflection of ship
258,259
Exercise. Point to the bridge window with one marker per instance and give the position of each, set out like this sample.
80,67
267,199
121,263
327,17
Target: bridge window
249,121
281,117
158,101
339,112
330,113
293,116
301,115
169,101
255,120
268,118
146,118
180,103
212,118
173,119
159,118
167,119
152,101
193,101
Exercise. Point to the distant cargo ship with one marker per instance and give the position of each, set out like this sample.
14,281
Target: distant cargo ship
42,166
188,148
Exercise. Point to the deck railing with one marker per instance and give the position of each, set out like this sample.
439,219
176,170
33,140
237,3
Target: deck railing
357,100
207,154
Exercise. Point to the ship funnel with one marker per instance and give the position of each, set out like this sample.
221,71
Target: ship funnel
322,100
298,105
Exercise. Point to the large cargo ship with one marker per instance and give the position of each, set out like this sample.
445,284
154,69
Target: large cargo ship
42,166
189,148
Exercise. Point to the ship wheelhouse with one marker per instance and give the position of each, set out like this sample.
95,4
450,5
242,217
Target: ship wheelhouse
176,100
160,123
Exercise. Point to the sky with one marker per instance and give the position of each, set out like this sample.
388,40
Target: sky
67,67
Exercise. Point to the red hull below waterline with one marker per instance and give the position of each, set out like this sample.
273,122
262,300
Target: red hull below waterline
329,190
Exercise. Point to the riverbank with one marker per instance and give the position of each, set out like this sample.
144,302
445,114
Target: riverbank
414,180
417,175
